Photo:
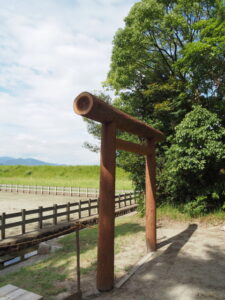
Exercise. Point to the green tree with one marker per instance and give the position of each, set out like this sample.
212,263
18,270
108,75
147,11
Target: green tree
169,57
193,173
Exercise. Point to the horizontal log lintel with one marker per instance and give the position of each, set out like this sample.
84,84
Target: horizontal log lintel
133,147
89,106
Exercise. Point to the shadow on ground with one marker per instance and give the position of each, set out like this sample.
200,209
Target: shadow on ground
188,266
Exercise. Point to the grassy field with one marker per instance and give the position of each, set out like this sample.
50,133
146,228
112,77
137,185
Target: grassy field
170,212
77,176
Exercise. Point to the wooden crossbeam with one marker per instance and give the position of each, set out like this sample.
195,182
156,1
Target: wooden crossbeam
133,147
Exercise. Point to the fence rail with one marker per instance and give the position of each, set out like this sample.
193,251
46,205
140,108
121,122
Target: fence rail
70,211
53,190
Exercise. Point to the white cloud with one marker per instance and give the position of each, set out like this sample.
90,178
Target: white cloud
49,52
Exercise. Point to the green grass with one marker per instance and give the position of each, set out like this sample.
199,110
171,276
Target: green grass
171,212
168,211
77,176
43,277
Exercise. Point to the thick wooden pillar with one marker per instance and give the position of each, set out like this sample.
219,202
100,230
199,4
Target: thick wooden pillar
105,266
150,182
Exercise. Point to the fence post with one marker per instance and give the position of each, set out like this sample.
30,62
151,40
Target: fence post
98,205
49,190
55,214
3,226
68,211
79,207
87,192
130,198
40,216
89,207
56,190
23,224
71,191
79,191
119,201
23,188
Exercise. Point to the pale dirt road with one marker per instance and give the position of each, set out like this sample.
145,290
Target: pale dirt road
13,202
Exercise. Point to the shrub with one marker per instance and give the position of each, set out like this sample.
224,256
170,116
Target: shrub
193,171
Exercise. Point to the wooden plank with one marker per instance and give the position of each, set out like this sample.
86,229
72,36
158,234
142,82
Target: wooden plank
132,147
140,263
3,226
6,289
68,211
79,211
23,223
12,292
94,200
55,214
13,215
32,211
40,216
89,207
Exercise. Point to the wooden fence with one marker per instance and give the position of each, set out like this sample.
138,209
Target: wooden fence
53,190
55,213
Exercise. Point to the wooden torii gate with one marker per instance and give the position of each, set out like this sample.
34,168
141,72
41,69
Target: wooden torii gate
112,119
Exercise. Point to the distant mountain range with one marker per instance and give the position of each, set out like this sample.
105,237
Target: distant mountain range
11,161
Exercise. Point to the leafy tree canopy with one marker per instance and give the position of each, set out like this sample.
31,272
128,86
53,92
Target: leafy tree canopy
169,55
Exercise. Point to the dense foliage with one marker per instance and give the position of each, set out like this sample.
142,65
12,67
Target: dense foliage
168,58
193,172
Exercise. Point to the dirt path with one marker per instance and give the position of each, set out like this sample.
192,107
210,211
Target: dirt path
13,202
189,265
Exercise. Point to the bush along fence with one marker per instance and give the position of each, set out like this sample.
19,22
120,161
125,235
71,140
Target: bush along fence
57,214
53,190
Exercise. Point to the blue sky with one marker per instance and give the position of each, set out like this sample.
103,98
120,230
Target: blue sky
50,51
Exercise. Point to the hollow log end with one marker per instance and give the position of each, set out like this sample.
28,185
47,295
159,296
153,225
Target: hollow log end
83,103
